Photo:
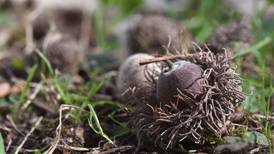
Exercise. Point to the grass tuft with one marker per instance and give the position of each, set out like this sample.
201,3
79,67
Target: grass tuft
95,124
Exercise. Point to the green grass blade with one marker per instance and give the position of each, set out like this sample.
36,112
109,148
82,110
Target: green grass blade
23,95
256,47
2,146
43,57
94,89
26,86
94,124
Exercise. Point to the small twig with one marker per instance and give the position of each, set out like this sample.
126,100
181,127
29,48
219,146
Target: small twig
32,96
58,131
116,150
8,137
27,136
55,144
45,107
189,57
14,125
264,117
80,149
165,58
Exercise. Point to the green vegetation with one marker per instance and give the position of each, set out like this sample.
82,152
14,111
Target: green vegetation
201,18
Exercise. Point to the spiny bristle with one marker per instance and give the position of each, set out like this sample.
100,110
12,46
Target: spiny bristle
190,118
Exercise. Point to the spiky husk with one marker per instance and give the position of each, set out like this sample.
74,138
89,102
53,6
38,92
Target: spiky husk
202,117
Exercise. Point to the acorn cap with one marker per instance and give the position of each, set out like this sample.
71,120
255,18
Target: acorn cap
63,52
157,34
184,77
133,83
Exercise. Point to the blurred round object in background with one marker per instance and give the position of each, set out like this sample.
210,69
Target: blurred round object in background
153,34
21,2
234,36
4,4
69,17
40,27
69,21
247,8
63,52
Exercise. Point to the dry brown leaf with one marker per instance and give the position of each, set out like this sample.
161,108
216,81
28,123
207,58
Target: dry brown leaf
16,89
4,89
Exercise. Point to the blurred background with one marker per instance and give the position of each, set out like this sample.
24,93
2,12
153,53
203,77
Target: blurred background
98,35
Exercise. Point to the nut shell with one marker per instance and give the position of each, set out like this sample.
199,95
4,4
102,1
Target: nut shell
132,83
183,76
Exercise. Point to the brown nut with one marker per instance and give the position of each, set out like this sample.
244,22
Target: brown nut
63,52
133,84
184,77
157,34
233,36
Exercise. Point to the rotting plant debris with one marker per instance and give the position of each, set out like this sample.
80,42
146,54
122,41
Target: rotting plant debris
200,117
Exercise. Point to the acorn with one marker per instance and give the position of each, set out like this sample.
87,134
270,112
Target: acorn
196,96
234,36
183,77
63,52
133,82
154,34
